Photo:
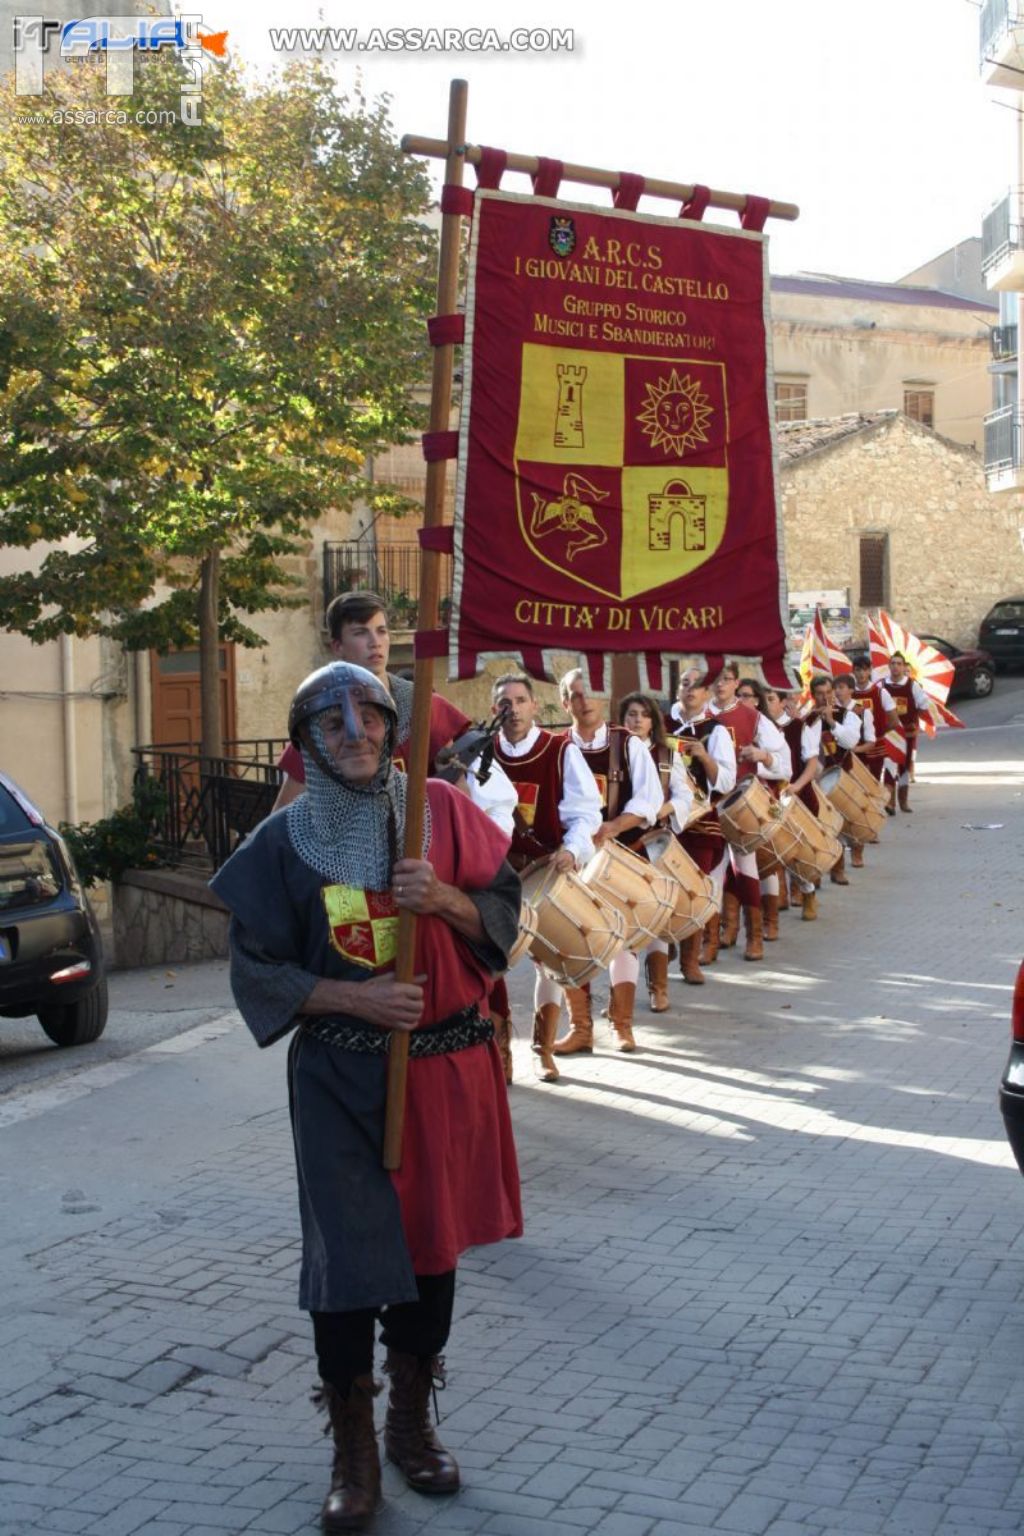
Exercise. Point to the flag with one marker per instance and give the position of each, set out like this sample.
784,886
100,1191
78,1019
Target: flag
616,487
925,664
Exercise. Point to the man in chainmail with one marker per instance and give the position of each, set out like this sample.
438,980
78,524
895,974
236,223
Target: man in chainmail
314,895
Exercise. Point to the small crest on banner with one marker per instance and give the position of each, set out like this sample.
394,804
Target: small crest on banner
562,235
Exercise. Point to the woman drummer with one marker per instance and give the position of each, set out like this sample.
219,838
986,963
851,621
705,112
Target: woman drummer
773,769
641,716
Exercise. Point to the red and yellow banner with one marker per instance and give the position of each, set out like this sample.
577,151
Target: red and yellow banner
616,472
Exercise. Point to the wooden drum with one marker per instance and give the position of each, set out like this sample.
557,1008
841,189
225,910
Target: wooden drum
694,893
527,933
862,816
801,843
644,895
861,773
577,934
747,815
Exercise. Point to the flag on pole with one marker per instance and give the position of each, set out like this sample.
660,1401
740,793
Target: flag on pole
926,666
820,655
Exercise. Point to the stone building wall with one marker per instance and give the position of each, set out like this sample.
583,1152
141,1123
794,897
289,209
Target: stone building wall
954,548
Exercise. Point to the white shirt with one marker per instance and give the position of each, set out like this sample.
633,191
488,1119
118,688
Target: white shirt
719,746
497,798
847,730
810,736
579,809
647,799
920,697
768,738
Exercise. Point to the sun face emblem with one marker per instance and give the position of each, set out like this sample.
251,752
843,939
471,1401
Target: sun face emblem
675,414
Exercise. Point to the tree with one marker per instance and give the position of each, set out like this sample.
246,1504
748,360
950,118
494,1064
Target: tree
204,332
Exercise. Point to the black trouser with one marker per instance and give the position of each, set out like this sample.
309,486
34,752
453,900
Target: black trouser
344,1340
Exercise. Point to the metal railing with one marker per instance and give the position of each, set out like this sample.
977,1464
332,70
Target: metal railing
1003,438
1004,342
211,802
1000,232
996,19
392,570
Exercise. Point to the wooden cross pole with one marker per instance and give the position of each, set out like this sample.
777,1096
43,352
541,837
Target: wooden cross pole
429,604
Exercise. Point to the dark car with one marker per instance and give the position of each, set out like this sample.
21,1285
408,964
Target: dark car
975,674
1011,1089
51,956
1002,632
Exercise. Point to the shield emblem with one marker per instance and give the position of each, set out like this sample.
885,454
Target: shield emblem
622,477
362,925
562,236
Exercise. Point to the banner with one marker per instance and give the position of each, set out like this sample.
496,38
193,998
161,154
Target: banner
616,487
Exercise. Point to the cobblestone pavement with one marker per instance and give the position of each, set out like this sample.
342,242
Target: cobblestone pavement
771,1282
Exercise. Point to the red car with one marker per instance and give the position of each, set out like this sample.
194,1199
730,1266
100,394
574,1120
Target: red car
975,675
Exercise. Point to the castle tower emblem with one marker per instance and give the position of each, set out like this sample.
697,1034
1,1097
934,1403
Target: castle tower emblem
569,415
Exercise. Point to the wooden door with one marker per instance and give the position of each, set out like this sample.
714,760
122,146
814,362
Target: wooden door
177,712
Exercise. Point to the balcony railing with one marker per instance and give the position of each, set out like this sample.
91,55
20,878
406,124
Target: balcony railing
212,802
1004,342
392,570
997,18
1000,232
1003,439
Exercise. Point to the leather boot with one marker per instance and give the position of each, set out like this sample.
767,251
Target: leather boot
503,1040
783,892
580,1039
690,961
620,1005
890,809
656,966
730,920
904,797
857,856
770,916
710,936
545,1027
410,1440
810,912
355,1472
753,923
838,875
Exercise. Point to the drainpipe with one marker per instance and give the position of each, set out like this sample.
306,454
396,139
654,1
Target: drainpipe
67,685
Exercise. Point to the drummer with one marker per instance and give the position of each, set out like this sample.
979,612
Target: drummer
558,813
840,733
844,687
631,797
911,703
876,698
803,737
773,769
758,744
640,715
710,758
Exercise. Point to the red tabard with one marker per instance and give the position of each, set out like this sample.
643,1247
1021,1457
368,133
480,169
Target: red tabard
741,723
863,700
702,839
538,781
793,731
906,708
446,722
599,761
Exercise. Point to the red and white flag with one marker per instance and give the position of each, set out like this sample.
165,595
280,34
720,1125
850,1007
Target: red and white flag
926,666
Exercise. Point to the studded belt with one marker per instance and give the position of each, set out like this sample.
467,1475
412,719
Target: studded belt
456,1033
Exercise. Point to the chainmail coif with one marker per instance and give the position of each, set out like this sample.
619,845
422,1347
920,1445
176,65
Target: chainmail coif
348,833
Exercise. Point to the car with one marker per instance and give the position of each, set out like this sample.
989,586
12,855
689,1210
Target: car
975,671
51,953
1011,1089
1002,632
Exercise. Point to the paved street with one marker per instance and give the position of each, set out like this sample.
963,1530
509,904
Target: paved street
772,1279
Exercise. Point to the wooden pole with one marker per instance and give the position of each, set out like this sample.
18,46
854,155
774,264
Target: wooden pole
591,176
429,596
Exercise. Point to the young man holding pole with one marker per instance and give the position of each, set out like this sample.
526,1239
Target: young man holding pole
315,893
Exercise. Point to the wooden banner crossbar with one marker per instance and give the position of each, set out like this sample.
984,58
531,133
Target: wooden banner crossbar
593,176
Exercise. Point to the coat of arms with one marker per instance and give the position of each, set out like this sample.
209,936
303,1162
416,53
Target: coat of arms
562,235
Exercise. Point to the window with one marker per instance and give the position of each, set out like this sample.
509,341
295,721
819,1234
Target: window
919,405
790,400
874,570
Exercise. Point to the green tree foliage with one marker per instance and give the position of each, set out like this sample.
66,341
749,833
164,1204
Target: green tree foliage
204,332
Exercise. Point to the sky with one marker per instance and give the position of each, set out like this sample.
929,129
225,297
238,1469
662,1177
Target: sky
872,117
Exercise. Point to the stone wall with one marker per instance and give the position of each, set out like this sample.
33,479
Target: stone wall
167,917
954,548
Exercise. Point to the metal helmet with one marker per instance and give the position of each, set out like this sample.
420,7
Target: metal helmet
339,685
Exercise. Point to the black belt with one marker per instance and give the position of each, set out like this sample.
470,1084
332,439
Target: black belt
456,1033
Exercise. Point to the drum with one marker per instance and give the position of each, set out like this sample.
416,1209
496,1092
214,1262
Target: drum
862,817
694,893
643,894
829,816
800,841
747,815
577,934
768,861
860,771
527,933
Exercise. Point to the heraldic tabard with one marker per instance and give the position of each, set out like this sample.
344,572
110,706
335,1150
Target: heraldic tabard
616,486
